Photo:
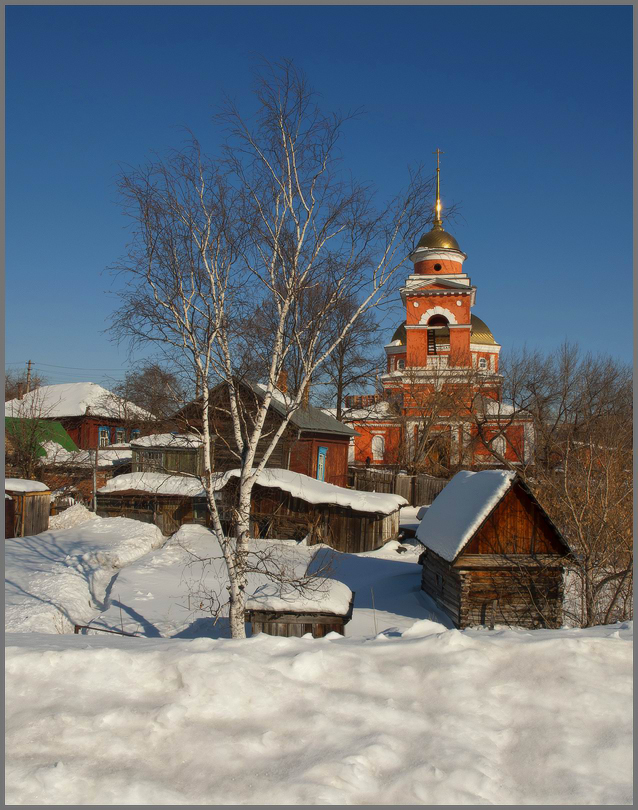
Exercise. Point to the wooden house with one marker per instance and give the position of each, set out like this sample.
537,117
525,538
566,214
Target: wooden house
492,555
29,506
91,415
314,443
327,609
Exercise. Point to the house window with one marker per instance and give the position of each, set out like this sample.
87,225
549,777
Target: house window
499,445
135,433
322,452
378,448
153,460
400,364
120,436
104,435
482,362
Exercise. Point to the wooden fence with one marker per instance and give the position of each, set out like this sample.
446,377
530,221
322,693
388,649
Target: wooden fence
418,490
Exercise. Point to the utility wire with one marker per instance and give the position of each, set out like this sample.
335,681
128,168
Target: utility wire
71,368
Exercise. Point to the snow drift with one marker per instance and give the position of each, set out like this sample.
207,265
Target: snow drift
427,717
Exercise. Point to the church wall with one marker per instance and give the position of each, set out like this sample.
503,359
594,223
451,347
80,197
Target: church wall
363,444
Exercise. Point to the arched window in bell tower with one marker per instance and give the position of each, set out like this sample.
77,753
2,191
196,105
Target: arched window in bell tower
438,334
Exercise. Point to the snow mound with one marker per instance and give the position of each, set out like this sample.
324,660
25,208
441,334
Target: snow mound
449,718
73,516
60,578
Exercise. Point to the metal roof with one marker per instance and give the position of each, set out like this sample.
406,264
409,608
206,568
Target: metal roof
307,418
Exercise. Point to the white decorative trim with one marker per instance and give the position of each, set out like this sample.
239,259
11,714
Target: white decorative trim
424,254
421,280
437,311
489,349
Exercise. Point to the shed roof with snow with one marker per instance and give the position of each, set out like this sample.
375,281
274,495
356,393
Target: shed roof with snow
463,506
187,441
323,595
296,484
24,485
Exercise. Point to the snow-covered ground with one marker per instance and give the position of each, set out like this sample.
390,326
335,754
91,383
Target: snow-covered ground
403,710
432,716
60,578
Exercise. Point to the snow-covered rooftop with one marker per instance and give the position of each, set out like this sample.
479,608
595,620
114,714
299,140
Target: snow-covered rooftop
296,484
107,456
73,399
185,440
325,596
460,508
380,410
317,492
24,485
157,483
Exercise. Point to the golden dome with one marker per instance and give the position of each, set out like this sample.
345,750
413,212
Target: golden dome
438,238
480,332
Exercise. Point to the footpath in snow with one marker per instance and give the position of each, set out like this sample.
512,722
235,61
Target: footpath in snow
431,716
61,577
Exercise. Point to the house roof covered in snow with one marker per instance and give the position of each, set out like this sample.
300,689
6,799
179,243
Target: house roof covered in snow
460,509
24,485
111,456
319,492
296,484
73,399
156,483
176,440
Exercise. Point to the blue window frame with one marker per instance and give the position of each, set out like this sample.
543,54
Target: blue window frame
104,436
135,433
322,452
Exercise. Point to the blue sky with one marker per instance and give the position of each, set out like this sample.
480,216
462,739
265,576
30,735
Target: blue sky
532,106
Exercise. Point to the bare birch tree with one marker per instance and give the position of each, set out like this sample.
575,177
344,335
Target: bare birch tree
276,219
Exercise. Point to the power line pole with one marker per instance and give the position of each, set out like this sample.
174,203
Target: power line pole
28,376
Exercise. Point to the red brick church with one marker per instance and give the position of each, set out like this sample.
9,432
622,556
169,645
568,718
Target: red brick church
441,407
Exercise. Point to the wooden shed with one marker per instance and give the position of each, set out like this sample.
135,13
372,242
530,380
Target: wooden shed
168,501
295,615
291,506
492,555
30,507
